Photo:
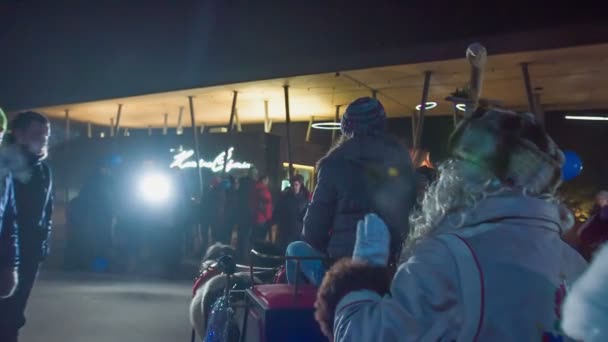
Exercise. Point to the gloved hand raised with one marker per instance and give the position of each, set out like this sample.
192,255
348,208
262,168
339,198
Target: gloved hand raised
373,241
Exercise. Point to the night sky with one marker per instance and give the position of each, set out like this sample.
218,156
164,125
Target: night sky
56,52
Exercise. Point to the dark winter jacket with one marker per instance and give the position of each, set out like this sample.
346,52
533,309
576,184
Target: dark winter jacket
34,202
215,206
9,248
359,176
245,211
289,214
594,233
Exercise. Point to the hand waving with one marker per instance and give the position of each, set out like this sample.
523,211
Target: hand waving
373,241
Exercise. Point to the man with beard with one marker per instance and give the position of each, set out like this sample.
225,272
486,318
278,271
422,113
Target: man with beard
30,133
485,258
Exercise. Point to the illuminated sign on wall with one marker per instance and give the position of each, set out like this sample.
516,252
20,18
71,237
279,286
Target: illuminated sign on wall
182,160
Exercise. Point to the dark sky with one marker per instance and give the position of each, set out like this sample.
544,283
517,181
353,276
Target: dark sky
55,52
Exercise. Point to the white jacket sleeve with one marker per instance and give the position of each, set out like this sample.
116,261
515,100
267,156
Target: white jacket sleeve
585,311
424,304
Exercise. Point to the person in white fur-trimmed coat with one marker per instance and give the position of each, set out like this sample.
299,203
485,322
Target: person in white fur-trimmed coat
485,260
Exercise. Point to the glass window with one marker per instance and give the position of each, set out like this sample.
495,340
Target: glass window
307,172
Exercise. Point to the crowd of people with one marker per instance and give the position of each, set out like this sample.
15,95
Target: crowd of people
111,230
478,249
484,256
245,207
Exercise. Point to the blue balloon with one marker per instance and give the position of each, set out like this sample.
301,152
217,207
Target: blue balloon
99,265
573,166
115,160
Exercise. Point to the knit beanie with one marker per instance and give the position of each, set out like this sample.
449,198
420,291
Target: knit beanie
364,116
513,147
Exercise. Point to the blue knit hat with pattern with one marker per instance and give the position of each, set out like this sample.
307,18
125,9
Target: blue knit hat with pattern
364,116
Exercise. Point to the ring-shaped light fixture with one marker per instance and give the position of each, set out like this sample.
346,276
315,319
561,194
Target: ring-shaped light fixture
326,125
428,105
461,107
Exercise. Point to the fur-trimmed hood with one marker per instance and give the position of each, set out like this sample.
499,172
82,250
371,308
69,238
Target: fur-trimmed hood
13,160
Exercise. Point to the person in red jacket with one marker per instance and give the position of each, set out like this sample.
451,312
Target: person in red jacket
261,204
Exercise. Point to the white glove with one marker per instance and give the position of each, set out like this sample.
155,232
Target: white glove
373,241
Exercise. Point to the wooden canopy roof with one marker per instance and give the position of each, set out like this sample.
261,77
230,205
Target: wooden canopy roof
572,78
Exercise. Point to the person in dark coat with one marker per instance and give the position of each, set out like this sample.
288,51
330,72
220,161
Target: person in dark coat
34,204
214,208
261,202
9,242
290,211
594,232
10,161
366,171
89,219
245,212
232,208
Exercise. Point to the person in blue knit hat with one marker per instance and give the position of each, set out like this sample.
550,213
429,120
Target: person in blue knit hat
365,171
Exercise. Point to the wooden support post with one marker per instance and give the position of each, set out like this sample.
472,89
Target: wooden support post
288,130
166,123
197,151
118,115
180,128
336,120
422,111
309,130
230,125
267,122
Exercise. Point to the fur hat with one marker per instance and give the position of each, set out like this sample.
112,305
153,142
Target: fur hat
364,116
513,147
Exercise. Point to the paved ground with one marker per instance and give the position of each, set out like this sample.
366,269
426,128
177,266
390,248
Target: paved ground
99,308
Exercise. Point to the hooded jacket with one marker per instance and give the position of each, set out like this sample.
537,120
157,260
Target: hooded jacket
13,165
521,270
360,175
289,214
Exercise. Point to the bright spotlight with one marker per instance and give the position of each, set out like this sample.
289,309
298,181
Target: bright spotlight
155,187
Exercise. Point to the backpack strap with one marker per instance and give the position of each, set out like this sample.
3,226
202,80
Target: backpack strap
471,285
